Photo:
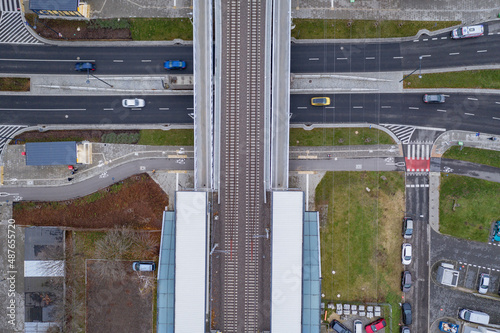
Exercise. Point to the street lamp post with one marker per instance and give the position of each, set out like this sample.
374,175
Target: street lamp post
416,69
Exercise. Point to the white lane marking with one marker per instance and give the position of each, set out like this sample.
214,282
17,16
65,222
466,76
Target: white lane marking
435,38
491,33
495,118
469,114
385,106
145,60
397,57
117,60
190,108
301,107
314,59
497,102
413,108
472,99
444,37
329,107
48,60
439,110
454,53
370,58
164,109
425,55
341,58
108,109
415,40
482,51
357,107
4,109
425,39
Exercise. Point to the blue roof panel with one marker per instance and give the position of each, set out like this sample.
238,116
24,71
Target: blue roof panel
51,153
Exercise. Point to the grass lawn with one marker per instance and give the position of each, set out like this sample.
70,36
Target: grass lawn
361,237
179,137
161,28
14,84
486,79
340,29
338,137
476,155
468,206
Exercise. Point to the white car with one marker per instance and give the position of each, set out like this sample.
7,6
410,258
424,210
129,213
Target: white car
133,103
406,254
484,283
468,32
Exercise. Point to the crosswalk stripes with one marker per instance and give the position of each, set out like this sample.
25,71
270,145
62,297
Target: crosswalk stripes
418,157
13,29
402,132
10,5
7,132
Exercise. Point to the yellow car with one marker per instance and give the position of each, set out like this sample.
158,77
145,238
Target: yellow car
320,101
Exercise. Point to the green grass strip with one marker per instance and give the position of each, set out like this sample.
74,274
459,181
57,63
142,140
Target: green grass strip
179,137
338,137
475,155
161,29
468,207
14,84
343,29
482,79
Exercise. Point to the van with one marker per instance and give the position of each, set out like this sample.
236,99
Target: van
358,326
474,316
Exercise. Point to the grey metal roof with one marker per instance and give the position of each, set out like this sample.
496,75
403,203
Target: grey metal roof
311,278
54,4
166,275
51,153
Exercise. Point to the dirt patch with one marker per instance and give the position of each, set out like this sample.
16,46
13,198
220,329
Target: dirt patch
71,135
123,305
81,30
137,202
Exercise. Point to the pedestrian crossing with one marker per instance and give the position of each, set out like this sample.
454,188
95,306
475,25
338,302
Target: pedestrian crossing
402,132
7,132
418,157
13,28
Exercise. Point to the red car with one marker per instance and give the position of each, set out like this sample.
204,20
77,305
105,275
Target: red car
376,326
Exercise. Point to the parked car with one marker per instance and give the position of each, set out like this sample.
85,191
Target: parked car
406,281
406,254
143,266
320,101
174,64
474,316
408,228
407,320
84,66
405,329
133,103
338,327
376,326
468,32
434,98
484,283
358,326
448,327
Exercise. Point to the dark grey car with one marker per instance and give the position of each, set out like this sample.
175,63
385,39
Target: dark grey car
406,281
433,98
407,320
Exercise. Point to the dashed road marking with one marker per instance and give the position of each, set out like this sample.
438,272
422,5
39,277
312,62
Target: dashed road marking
482,51
117,60
425,55
415,40
435,38
472,99
357,107
440,110
370,58
397,57
313,59
425,39
469,114
301,107
454,53
413,108
341,58
444,37
495,118
385,107
145,60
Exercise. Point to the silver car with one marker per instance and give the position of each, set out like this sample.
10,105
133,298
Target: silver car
133,103
484,283
406,254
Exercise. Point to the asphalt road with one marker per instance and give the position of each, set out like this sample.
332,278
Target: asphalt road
115,60
470,169
471,112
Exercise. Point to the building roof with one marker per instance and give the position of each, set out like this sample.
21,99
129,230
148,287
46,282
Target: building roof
39,268
447,276
166,275
311,278
54,4
190,261
51,153
286,266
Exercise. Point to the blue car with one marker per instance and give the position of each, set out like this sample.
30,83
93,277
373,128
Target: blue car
174,64
84,66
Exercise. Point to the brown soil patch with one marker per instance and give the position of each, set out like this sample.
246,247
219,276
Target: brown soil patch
72,30
70,135
117,305
137,202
